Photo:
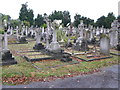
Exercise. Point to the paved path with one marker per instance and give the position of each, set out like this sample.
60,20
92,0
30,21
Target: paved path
108,78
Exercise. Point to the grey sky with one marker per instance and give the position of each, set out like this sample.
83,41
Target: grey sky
89,8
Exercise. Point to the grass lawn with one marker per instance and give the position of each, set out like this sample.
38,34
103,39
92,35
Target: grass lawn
24,72
52,63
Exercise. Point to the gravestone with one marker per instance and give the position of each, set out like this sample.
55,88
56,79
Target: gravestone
105,45
11,30
1,21
26,31
114,34
7,58
17,34
84,45
113,39
66,58
77,45
22,38
1,46
54,45
47,33
38,45
81,28
69,44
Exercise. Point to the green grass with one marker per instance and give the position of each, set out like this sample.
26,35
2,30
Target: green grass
24,68
52,63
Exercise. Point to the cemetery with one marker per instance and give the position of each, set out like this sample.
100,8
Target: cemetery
37,53
41,55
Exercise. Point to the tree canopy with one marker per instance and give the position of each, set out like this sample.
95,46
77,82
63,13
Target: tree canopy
26,15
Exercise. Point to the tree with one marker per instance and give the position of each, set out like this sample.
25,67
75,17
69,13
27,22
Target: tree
118,18
26,14
23,12
14,23
86,20
109,19
6,17
101,21
56,15
105,21
77,18
59,15
39,20
66,18
30,17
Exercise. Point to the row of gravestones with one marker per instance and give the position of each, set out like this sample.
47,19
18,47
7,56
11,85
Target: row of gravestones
54,46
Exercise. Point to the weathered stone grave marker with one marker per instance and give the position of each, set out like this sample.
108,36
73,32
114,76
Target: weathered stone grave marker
7,58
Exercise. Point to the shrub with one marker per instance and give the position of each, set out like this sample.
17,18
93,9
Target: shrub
1,31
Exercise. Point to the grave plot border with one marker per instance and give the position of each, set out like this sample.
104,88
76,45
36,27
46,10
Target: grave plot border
27,51
117,54
36,66
93,59
37,59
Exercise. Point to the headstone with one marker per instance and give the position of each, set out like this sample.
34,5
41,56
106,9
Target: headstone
22,39
81,28
69,44
105,46
47,20
26,31
43,30
38,45
113,39
54,46
11,31
1,46
1,21
77,45
114,34
17,34
7,58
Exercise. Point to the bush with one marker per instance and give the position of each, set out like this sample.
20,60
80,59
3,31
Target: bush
1,31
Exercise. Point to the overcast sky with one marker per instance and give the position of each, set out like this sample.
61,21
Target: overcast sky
89,8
